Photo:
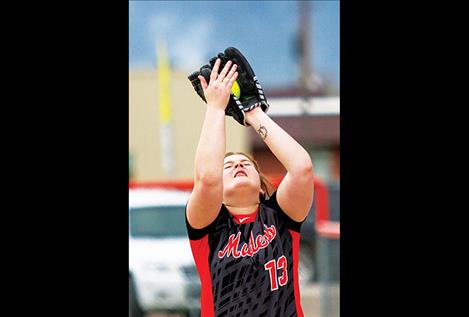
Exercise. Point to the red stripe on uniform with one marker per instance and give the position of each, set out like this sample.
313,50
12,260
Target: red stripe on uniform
296,251
200,251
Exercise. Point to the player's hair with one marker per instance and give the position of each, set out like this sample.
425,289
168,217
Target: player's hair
266,185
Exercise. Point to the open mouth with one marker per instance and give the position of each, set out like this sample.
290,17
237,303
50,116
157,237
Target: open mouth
240,173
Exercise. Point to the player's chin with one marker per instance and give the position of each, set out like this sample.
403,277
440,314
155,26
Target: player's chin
242,181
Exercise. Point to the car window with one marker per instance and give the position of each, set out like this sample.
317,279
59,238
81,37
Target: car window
158,221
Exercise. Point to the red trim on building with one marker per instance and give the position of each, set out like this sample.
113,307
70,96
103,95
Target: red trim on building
201,250
296,251
169,184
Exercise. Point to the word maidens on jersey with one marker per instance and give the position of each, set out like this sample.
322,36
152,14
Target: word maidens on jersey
251,248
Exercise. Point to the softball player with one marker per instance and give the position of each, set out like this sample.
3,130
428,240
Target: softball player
244,234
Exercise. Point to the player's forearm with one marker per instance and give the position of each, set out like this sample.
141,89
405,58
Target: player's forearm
211,148
290,153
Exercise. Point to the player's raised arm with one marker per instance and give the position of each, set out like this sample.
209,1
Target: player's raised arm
206,199
295,192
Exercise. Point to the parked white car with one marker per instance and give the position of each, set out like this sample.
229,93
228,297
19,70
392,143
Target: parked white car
162,273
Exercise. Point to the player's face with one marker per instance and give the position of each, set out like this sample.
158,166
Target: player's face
238,170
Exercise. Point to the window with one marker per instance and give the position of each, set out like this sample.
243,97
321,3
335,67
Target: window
158,222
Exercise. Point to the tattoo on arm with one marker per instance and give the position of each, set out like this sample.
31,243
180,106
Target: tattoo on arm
262,132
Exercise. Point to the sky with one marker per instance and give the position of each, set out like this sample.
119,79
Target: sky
264,31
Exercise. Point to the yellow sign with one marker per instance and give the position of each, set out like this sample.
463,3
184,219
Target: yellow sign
163,81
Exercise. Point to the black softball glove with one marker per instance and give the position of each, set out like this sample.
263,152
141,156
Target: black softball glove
250,94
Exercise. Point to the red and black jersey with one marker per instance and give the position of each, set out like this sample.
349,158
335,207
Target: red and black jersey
248,264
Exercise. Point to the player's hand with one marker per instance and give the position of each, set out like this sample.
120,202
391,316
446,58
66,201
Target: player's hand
217,92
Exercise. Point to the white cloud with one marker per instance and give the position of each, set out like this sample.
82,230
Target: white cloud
188,43
160,26
191,47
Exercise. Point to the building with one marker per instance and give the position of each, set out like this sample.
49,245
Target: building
314,122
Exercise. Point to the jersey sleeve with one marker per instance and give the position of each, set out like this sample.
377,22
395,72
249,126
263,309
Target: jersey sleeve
291,224
197,234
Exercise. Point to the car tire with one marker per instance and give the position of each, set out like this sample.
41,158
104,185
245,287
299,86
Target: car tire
134,307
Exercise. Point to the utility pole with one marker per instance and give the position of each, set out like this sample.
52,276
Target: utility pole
305,79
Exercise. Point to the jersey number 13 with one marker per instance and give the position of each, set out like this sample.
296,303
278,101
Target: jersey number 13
273,266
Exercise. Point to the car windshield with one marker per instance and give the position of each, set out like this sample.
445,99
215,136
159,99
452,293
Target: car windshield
161,221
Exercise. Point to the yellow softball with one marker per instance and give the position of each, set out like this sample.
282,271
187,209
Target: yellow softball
235,89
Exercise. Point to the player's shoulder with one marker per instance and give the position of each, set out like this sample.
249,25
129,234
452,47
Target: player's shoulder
197,234
272,207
